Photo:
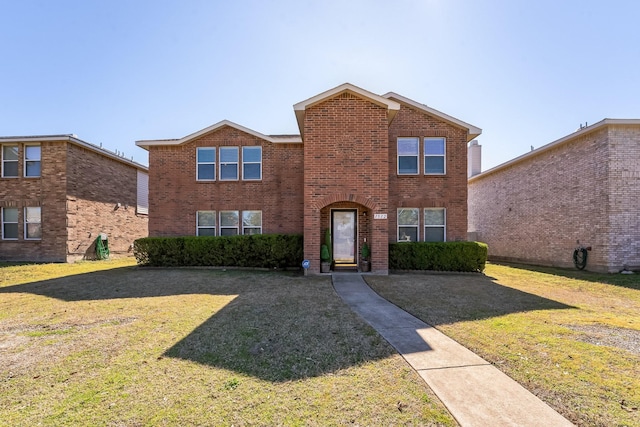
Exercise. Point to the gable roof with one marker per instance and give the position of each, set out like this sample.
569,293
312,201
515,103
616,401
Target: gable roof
282,139
472,131
73,139
299,108
580,132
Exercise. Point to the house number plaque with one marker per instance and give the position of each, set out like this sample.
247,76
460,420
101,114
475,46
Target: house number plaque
379,216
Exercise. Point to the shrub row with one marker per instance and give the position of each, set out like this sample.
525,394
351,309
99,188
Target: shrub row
442,256
257,251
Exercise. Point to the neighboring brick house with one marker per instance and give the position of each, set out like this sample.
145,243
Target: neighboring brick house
58,193
371,168
584,187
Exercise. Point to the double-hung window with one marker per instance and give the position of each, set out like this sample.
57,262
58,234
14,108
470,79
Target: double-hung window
206,223
408,149
408,224
206,164
229,223
228,163
434,156
10,161
251,222
9,224
435,223
32,223
251,163
32,161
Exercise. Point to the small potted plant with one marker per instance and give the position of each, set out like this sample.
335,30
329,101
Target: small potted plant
365,253
325,259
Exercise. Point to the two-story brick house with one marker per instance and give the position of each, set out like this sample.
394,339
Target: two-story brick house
370,168
59,193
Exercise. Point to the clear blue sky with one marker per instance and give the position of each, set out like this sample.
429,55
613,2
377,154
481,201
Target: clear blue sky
116,71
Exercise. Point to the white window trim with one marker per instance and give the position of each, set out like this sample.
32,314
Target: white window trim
398,225
208,227
229,163
417,156
228,227
252,226
198,163
425,155
24,212
252,163
2,223
443,226
24,156
17,161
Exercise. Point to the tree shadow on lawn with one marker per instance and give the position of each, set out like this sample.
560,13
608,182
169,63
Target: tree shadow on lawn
449,298
282,327
279,326
631,281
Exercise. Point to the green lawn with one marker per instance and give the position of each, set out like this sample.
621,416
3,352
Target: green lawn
571,337
110,344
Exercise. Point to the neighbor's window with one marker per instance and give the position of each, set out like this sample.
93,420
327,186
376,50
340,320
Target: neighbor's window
408,224
251,163
9,224
32,223
408,156
229,223
434,155
435,225
206,223
251,222
228,163
32,160
9,161
206,167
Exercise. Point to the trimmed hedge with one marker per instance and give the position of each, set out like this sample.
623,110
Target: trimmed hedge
438,256
256,251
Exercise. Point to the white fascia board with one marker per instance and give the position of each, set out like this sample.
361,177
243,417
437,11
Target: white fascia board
72,139
580,132
392,106
147,143
472,131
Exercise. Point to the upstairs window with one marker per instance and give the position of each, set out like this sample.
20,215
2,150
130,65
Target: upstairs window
32,223
435,225
251,163
9,224
206,223
10,161
32,161
434,156
228,163
408,224
251,222
206,164
229,223
408,156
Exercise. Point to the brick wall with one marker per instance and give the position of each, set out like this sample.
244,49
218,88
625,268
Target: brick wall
624,197
535,210
346,159
175,196
425,191
95,185
47,192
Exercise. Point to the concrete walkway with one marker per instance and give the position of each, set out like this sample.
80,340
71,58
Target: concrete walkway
474,391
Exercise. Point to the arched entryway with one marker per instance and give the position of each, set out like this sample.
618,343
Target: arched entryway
345,227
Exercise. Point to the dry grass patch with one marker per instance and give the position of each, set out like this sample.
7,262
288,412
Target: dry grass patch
111,344
572,338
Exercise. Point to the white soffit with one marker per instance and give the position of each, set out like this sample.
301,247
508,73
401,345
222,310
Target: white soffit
472,131
281,140
392,106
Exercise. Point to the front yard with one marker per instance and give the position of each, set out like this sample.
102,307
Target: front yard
107,343
570,337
